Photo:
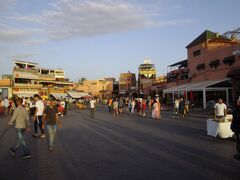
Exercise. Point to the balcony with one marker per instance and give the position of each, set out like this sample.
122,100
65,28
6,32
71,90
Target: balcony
25,73
22,85
34,71
47,77
178,75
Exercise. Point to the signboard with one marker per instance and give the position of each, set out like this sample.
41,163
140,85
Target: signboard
122,92
4,93
26,75
236,52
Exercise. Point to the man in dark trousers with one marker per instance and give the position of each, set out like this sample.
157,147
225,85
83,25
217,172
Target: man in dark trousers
51,119
21,120
235,126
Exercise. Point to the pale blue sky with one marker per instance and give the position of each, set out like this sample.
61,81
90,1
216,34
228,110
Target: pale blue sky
102,38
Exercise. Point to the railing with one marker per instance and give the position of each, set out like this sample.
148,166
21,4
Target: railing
34,71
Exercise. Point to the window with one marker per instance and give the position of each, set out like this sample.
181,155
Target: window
229,60
200,67
215,63
197,53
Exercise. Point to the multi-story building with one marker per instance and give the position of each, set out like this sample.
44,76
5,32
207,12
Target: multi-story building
127,83
5,86
146,75
30,79
203,77
178,73
157,88
98,88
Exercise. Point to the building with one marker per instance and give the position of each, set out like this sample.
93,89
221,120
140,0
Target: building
127,84
5,87
110,79
157,88
98,88
146,75
204,76
7,76
30,79
178,73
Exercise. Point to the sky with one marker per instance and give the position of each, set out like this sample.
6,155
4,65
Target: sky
103,38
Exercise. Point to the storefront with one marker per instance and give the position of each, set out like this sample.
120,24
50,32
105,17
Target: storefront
5,88
202,93
235,75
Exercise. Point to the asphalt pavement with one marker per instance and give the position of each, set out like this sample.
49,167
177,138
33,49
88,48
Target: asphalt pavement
122,147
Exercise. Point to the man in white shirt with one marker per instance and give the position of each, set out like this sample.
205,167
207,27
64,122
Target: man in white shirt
176,106
92,107
6,105
38,116
220,109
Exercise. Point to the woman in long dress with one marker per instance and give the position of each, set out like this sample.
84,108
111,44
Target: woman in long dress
158,109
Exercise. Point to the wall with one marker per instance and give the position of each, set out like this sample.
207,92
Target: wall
209,52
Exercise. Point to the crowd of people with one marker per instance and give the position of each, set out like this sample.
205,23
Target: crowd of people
134,106
181,107
43,113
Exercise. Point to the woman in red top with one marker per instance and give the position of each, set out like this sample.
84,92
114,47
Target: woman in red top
143,107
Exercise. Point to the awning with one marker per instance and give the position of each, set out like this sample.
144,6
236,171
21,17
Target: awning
59,95
78,95
194,86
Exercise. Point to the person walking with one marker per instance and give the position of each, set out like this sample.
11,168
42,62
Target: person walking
176,106
133,103
235,127
110,104
32,106
186,110
121,104
51,119
115,107
92,103
6,105
181,107
143,107
158,109
154,109
21,119
37,118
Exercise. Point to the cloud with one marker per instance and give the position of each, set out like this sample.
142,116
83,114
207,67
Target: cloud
12,35
9,34
35,42
71,18
24,55
85,18
6,4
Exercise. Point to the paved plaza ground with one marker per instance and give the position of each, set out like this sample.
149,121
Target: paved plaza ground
122,148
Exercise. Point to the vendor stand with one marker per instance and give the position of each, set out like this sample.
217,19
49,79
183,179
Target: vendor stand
220,127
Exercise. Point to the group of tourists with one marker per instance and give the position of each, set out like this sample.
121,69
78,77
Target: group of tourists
132,106
181,107
6,106
43,114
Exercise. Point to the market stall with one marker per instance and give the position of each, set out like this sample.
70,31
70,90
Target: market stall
220,127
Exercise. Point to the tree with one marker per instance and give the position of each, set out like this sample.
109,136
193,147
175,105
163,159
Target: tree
80,81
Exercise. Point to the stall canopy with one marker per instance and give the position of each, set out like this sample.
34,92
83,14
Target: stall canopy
78,95
197,86
59,95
